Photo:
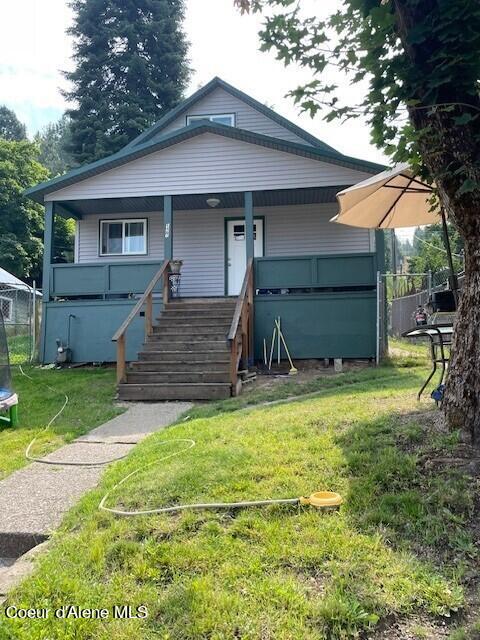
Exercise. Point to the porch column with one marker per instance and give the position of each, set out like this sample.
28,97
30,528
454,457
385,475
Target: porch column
47,248
168,228
249,237
47,262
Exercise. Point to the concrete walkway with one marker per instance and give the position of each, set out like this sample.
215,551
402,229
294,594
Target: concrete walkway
34,499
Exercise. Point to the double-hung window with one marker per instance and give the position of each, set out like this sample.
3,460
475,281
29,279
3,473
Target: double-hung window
227,119
123,237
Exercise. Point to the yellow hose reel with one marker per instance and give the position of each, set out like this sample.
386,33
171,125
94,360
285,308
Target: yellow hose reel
323,499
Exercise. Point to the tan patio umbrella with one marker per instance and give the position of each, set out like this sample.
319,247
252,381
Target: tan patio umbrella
390,200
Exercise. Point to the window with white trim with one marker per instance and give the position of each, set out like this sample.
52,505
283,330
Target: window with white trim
6,307
123,237
227,119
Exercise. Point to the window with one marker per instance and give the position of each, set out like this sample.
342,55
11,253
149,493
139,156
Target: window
6,307
220,118
123,237
239,232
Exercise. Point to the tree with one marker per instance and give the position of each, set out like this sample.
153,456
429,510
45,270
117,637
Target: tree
53,142
428,251
421,59
21,219
10,126
131,67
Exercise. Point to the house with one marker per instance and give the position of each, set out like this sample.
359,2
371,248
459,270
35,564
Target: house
243,197
16,303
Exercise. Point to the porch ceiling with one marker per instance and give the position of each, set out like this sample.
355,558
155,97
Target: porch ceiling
273,198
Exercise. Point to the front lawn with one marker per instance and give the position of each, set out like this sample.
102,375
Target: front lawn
401,554
91,402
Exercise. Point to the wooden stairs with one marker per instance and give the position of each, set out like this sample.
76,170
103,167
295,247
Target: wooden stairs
187,354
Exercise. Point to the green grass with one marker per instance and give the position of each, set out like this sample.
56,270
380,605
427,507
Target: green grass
91,402
19,348
399,546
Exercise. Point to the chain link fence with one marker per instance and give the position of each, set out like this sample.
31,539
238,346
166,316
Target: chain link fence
20,306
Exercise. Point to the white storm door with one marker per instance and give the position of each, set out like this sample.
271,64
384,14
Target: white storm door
236,252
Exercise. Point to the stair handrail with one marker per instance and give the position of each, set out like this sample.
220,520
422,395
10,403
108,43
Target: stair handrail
146,298
241,330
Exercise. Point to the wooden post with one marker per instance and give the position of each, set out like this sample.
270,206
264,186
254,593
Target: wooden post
166,286
233,366
121,366
149,315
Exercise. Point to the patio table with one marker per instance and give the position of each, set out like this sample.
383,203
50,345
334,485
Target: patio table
440,337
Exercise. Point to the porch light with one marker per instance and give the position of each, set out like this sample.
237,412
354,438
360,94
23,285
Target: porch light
213,202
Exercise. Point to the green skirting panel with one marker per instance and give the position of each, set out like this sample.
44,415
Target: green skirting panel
323,325
92,328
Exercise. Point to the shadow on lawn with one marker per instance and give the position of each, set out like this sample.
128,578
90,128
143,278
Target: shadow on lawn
395,490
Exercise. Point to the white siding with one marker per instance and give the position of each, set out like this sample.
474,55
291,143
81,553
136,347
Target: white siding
88,238
209,163
306,230
199,240
246,117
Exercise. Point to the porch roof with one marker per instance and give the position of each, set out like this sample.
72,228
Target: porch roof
229,200
126,155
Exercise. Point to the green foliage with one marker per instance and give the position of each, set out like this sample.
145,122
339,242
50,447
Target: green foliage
131,67
53,142
421,63
21,219
429,252
10,126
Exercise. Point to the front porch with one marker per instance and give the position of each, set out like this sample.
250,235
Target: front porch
320,278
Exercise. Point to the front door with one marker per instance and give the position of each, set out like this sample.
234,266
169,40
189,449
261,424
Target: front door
236,252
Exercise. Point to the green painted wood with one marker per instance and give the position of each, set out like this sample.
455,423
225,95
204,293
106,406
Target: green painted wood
316,271
78,280
102,278
330,325
123,278
47,248
249,232
168,227
47,259
92,329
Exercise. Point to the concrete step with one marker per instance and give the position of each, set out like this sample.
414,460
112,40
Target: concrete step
177,391
191,337
187,346
162,366
185,356
148,377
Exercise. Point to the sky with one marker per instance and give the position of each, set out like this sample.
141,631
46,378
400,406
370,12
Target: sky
35,49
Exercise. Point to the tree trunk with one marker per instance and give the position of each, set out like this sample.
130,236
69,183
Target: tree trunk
450,151
462,398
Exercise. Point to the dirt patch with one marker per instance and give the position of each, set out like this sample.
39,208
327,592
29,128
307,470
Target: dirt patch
307,370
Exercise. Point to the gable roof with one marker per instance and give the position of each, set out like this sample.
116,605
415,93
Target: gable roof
218,83
180,135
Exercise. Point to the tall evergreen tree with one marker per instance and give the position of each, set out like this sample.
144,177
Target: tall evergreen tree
10,126
52,142
131,67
